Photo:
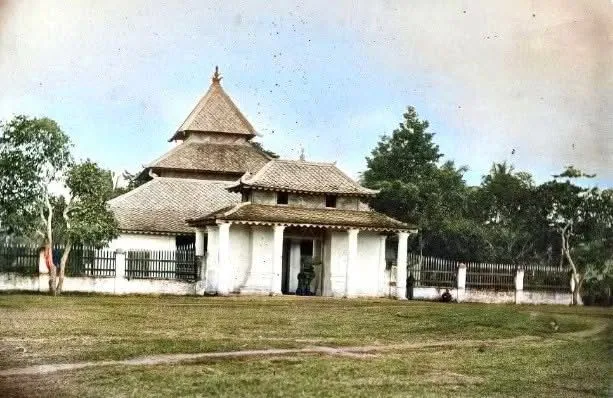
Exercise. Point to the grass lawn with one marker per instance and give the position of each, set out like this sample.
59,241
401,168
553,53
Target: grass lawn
440,349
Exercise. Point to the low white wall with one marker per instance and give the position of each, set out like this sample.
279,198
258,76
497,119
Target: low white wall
16,282
11,281
493,297
489,296
528,297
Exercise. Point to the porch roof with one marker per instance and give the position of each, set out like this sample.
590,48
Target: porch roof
248,213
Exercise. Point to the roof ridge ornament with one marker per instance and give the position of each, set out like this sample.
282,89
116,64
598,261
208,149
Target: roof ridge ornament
301,153
216,76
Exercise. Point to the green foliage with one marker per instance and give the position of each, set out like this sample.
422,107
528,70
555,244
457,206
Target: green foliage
413,186
34,153
34,159
409,155
506,219
89,221
261,148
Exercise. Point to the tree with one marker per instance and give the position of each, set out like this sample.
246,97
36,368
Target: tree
261,148
506,208
134,180
45,196
414,187
583,220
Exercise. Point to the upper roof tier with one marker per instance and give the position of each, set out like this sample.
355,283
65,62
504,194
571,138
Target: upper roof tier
302,176
215,113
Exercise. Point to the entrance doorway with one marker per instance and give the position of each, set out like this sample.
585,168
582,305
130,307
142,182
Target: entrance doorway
301,253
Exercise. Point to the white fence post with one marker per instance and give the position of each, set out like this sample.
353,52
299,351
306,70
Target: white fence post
519,285
120,270
461,282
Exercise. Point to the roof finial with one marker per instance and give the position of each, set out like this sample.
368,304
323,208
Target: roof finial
301,153
216,76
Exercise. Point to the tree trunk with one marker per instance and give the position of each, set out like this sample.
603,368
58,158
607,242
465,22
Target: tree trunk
63,262
577,300
50,267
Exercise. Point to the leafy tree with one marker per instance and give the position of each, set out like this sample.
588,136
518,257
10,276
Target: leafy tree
583,220
505,204
135,180
413,186
261,148
45,196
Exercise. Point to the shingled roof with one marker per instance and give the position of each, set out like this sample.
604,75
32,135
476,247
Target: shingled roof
249,213
215,112
303,176
204,156
163,204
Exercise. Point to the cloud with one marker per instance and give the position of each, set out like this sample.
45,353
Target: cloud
491,77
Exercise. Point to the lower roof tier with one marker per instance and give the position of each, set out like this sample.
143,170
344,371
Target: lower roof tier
162,205
249,213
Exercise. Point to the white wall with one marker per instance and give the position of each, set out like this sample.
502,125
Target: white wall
366,275
102,285
263,197
258,276
129,241
339,245
240,254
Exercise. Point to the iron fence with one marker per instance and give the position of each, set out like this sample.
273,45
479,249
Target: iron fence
22,259
545,278
490,276
162,264
88,261
431,271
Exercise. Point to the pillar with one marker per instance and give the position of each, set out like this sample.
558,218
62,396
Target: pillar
224,263
120,270
401,266
200,233
519,285
382,268
294,265
200,285
277,259
461,283
212,256
352,271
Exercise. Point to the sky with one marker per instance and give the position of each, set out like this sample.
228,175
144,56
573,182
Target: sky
526,81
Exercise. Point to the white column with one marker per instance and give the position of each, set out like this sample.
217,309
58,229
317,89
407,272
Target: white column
200,285
120,270
224,264
519,286
401,266
381,269
212,257
294,265
277,259
352,269
461,282
200,232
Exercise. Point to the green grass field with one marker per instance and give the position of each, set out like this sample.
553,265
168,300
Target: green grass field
408,348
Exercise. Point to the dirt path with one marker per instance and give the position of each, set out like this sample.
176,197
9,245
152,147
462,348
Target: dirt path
354,352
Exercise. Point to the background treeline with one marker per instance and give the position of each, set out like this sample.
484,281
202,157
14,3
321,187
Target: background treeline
508,218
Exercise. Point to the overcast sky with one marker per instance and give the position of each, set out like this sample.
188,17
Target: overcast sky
531,76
